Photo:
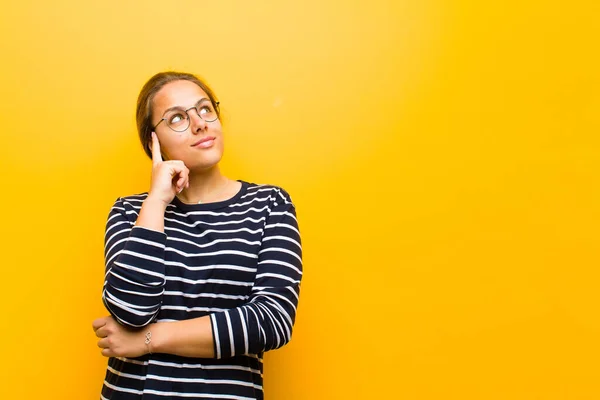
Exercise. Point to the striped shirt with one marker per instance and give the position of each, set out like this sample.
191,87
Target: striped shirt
238,261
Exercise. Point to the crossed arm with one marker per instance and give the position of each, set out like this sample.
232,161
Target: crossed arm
133,293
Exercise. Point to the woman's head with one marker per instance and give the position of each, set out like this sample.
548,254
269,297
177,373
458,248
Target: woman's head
179,91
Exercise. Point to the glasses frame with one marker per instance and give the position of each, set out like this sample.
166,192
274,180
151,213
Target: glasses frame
189,120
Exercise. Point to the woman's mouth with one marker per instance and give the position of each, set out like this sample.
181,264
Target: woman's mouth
204,143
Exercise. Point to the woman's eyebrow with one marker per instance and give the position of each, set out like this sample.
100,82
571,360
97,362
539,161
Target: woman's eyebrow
181,108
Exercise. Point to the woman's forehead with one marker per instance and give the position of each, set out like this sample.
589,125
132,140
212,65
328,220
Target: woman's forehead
178,94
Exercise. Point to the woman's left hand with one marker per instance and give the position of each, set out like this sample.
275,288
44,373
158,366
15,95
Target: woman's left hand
117,340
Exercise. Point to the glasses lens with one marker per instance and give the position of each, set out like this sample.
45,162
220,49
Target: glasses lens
207,112
177,120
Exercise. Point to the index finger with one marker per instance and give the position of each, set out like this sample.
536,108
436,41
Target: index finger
156,157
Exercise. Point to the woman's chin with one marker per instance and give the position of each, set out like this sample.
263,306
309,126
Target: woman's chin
203,164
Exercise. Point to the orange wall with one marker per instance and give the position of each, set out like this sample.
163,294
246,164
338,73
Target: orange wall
443,156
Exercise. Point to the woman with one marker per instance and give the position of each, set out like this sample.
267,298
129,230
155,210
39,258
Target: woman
202,272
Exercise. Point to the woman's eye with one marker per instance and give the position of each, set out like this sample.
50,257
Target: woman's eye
176,118
204,110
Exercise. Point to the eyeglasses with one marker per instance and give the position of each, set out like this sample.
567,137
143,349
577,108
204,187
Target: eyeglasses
178,119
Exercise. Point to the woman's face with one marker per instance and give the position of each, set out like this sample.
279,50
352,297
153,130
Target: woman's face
200,146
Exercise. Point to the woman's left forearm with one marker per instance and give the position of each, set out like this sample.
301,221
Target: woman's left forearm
187,338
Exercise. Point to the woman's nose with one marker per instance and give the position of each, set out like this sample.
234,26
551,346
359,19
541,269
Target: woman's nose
197,124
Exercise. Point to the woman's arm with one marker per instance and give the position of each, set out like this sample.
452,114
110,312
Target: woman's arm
134,257
189,338
135,270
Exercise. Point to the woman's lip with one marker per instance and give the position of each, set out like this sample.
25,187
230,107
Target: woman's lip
206,142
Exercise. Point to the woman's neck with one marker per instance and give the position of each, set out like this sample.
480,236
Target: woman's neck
205,187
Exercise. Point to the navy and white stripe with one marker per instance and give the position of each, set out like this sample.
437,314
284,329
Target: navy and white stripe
238,261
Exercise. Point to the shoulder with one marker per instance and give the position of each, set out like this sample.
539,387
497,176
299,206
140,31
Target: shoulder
125,209
276,195
133,201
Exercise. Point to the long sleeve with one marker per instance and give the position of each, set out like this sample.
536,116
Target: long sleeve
135,271
266,321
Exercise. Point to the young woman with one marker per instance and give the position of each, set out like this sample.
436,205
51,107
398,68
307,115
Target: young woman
202,272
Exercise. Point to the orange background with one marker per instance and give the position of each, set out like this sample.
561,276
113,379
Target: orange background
443,157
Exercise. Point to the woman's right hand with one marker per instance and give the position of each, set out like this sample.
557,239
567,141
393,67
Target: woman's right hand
168,177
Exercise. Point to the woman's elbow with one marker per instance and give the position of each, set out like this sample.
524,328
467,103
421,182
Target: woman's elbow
128,316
